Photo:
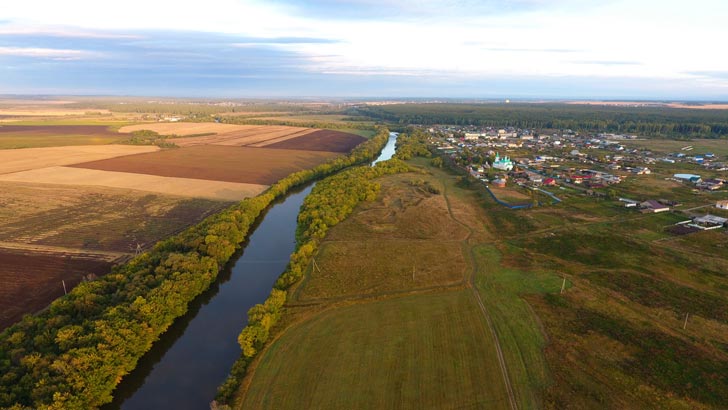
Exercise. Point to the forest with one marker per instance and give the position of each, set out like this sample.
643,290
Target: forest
72,355
664,122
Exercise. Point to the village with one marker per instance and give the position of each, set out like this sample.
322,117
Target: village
593,164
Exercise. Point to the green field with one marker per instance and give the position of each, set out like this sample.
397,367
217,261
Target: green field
427,351
386,316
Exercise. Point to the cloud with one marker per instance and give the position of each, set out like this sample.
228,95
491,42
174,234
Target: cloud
607,62
64,32
718,75
48,53
283,40
414,9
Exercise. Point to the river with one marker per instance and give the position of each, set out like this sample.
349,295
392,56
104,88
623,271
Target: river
184,368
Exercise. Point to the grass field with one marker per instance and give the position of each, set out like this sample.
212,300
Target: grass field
378,333
614,339
416,352
216,163
13,136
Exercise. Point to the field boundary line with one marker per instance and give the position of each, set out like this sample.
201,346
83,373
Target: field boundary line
481,305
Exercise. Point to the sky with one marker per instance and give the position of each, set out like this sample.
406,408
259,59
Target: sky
530,49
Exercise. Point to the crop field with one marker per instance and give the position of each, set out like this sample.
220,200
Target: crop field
93,218
187,187
32,136
321,140
415,352
96,203
253,136
36,158
31,280
188,128
216,163
269,136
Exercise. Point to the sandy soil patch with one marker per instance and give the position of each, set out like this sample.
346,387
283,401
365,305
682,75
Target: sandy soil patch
197,188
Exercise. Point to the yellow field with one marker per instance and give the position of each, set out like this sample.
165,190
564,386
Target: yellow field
224,134
186,128
225,191
14,160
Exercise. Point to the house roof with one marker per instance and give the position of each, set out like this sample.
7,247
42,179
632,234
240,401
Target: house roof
651,203
710,219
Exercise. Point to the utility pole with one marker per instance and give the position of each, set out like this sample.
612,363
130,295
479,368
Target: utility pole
64,287
685,325
413,272
563,285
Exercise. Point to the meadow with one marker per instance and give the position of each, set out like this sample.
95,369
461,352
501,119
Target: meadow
386,314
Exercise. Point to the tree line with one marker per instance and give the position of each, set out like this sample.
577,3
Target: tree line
330,202
644,121
74,354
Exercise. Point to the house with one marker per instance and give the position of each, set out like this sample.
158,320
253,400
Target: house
500,183
652,206
687,177
629,203
708,222
722,204
552,182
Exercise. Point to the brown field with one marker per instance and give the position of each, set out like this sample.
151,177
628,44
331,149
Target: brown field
253,134
14,160
321,140
216,163
98,219
187,128
187,187
31,280
279,137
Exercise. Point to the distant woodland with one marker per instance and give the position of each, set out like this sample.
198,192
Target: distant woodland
643,121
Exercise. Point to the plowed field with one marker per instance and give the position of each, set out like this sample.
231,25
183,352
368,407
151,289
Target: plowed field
216,163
